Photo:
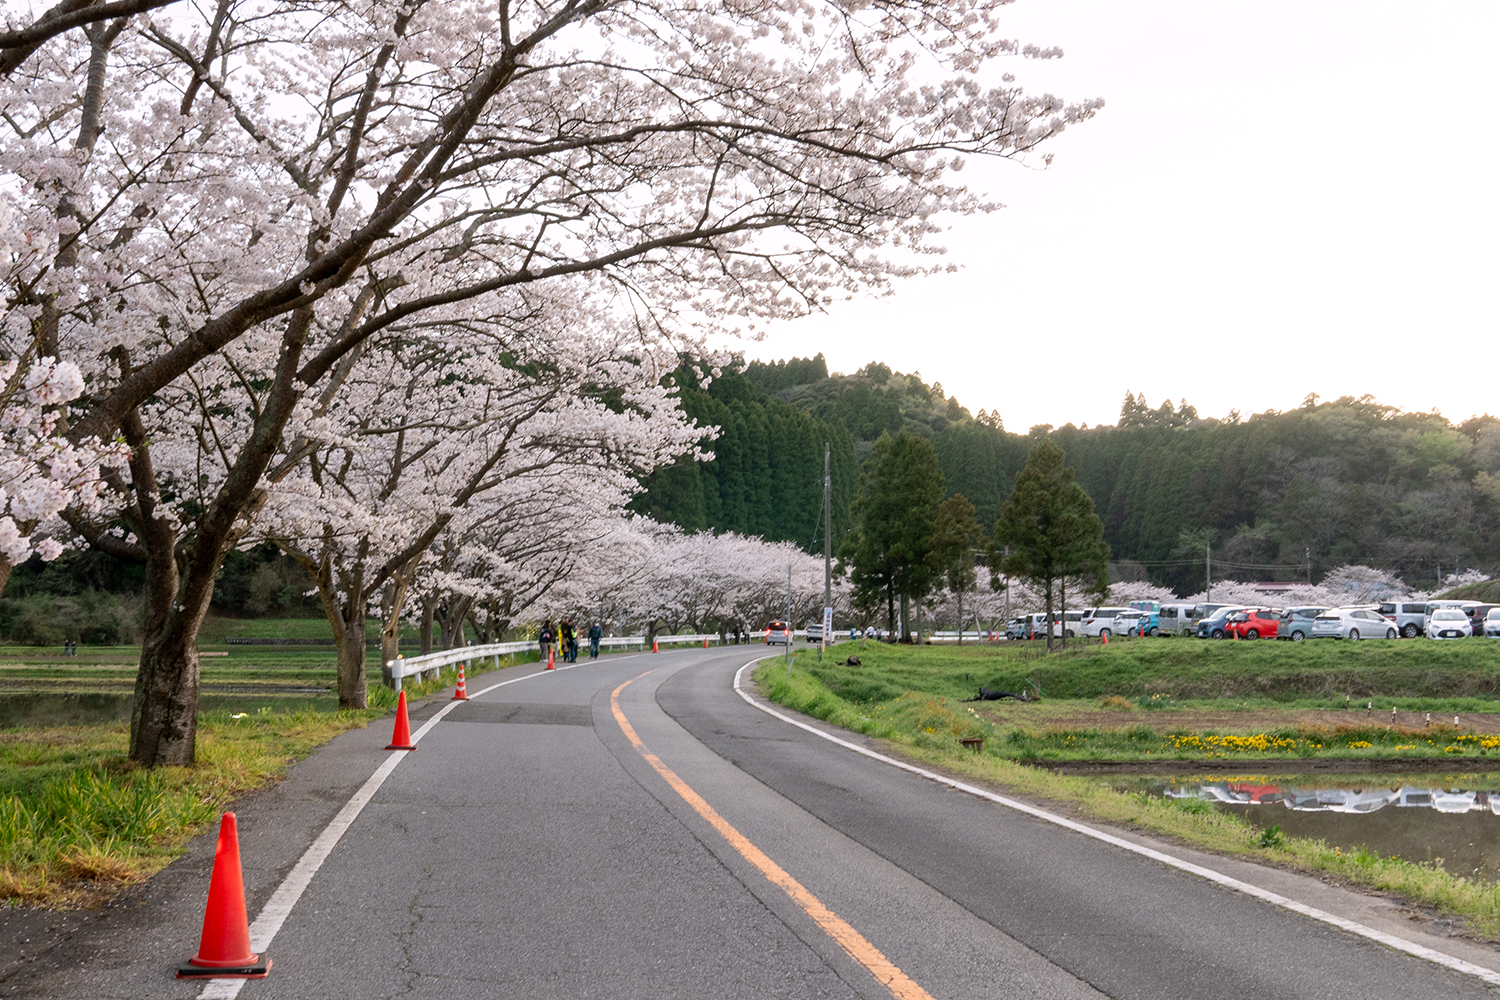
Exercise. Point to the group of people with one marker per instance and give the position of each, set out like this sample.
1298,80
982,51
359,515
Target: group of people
565,638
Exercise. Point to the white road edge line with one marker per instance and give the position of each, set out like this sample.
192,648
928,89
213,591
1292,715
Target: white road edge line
271,916
1354,927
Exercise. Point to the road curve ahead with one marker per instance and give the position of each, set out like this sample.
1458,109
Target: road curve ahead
632,828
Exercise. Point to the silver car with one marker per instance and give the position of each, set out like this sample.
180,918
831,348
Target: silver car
1353,624
1492,624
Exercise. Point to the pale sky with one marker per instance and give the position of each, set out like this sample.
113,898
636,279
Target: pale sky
1279,198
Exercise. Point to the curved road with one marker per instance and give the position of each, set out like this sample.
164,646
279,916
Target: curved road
633,828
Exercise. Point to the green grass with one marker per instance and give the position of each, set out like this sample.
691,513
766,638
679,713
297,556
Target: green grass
926,727
1317,672
78,821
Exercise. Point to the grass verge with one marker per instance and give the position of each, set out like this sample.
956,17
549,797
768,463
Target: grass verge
78,821
925,727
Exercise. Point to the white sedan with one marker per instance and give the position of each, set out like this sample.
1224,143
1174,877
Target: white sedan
1353,624
1492,624
1449,623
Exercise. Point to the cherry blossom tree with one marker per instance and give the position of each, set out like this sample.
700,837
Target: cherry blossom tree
231,198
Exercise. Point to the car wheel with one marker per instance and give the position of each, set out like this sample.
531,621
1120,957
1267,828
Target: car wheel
1154,631
1390,633
1252,634
1354,635
1218,633
1411,631
1298,637
1133,633
1105,633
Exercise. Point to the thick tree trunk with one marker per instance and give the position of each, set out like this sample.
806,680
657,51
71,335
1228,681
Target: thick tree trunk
905,621
164,715
426,630
353,683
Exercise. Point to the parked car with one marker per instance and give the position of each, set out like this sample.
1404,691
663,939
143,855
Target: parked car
1353,624
1435,606
1150,616
1252,624
1296,623
1478,616
1100,621
1211,625
1492,624
1015,628
1449,623
1410,618
1128,623
814,632
1178,619
778,633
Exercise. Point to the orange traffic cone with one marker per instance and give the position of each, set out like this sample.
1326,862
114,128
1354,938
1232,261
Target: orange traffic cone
401,738
460,693
224,949
1104,639
705,642
653,645
551,659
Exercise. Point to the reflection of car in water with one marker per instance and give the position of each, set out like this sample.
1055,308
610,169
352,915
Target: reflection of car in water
1454,802
1339,800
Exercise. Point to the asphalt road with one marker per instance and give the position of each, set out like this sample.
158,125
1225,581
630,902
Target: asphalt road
532,848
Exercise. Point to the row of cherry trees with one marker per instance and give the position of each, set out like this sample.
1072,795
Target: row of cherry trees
376,281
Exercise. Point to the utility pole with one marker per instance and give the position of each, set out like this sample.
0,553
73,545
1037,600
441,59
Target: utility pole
1208,573
1308,552
789,626
827,548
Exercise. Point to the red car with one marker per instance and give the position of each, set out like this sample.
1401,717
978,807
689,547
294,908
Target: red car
1252,624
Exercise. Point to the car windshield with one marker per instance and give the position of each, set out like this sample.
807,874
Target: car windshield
1448,616
1493,616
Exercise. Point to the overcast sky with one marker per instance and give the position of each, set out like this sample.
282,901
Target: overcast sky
1279,198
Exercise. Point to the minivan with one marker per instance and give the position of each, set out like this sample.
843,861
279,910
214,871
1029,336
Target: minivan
1410,618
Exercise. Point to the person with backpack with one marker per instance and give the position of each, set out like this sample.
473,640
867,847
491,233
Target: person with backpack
595,634
569,641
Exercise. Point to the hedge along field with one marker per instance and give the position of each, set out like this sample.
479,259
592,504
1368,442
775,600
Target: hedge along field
1176,668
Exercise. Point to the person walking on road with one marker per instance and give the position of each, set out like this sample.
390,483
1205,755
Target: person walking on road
569,641
595,634
545,638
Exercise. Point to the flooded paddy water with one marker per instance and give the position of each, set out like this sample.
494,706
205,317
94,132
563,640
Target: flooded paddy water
59,708
1452,819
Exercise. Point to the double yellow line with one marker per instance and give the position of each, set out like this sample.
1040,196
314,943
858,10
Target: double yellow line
854,944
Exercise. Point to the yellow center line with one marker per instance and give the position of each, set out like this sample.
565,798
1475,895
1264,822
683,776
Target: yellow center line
853,943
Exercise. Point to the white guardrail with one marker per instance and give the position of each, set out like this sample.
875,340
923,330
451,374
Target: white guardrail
432,664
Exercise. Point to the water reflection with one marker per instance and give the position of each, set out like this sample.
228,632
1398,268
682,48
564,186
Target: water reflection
91,708
1452,819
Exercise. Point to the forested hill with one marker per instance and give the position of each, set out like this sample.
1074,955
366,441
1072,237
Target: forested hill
1347,481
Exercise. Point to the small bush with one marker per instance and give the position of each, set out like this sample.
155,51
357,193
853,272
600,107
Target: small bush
1114,701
